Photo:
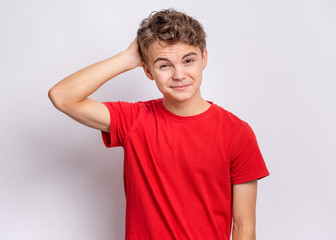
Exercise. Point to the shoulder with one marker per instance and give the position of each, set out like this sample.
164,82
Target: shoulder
133,109
229,119
138,104
232,125
149,104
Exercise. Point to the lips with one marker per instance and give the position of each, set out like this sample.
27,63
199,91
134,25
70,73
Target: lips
180,87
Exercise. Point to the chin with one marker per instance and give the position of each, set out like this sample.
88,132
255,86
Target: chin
179,98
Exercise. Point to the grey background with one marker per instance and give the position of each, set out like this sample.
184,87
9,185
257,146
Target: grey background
272,63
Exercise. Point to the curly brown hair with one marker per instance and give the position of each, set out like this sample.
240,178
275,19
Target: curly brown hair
169,26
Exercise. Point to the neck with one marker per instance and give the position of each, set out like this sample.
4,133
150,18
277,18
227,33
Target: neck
186,108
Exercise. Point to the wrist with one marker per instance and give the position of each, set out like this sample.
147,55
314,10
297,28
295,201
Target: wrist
132,57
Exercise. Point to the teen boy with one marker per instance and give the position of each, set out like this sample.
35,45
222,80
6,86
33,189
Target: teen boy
190,166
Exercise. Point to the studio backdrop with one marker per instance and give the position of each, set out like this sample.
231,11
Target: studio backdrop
271,63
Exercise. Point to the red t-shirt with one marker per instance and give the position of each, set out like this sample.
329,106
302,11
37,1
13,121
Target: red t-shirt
179,171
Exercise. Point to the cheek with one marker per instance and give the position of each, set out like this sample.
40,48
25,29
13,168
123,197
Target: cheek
194,73
159,81
161,78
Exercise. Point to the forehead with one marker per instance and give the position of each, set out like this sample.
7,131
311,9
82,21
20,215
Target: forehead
177,50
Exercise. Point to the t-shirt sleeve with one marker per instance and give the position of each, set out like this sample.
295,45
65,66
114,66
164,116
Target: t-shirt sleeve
123,116
247,162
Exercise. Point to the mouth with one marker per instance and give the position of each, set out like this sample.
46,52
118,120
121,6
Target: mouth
180,87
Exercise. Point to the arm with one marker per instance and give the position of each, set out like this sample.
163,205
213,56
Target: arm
243,208
71,94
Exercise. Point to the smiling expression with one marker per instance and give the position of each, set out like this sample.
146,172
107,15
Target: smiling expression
177,70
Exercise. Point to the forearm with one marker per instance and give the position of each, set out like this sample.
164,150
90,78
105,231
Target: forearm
79,85
244,205
240,232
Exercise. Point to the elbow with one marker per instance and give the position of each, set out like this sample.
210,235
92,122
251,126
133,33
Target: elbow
55,98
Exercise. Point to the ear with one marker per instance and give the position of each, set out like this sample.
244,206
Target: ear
204,58
147,71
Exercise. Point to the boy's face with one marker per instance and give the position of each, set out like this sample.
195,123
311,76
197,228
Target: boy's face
177,70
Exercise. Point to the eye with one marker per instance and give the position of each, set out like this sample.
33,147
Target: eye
163,65
189,60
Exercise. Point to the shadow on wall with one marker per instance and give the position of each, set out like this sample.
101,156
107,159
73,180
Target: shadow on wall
66,183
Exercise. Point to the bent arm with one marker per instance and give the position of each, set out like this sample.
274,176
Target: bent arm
70,95
243,208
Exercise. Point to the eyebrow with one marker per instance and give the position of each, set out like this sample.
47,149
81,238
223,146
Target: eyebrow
166,59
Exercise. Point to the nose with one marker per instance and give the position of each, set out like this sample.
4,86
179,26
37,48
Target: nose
178,74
